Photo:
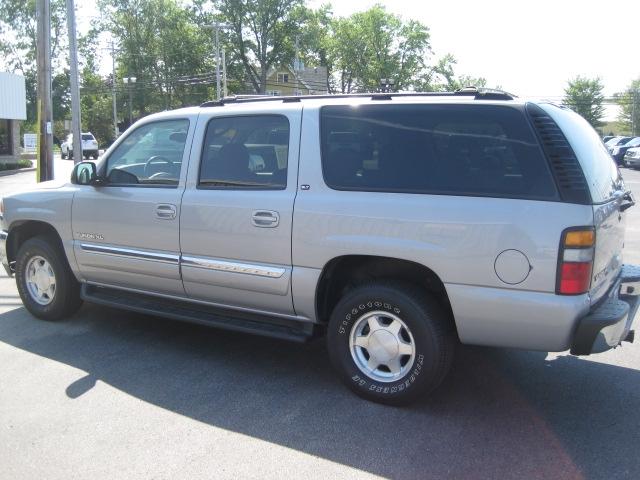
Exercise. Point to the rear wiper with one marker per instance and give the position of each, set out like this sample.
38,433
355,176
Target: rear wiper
630,201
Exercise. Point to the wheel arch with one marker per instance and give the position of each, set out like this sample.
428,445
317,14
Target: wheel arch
22,230
343,273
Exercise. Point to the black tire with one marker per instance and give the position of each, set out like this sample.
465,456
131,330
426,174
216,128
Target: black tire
95,156
66,299
63,155
433,340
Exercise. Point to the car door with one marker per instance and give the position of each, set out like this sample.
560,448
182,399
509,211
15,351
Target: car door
125,230
235,224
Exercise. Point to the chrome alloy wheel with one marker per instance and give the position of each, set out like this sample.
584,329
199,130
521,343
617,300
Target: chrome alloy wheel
41,281
382,346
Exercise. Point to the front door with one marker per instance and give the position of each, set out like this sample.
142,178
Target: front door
235,225
126,232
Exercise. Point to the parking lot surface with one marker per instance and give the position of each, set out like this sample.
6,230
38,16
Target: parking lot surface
112,394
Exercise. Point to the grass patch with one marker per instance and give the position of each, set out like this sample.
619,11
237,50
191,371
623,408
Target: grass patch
22,163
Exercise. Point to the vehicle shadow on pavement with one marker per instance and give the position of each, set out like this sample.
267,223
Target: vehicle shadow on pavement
500,414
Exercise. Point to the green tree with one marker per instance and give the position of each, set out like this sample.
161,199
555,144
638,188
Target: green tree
629,102
584,96
375,44
159,42
262,34
18,49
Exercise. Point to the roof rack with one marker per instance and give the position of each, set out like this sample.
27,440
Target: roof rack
477,93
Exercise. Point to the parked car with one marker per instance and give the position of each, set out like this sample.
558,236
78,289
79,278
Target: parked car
615,141
89,146
606,138
396,224
632,157
618,152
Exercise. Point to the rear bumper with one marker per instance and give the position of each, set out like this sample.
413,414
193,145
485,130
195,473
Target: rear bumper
611,321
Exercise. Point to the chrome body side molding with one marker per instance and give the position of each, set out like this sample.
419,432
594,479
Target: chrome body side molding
131,253
233,267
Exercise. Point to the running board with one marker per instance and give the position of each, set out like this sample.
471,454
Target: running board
274,327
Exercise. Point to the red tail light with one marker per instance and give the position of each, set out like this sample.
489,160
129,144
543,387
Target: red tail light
575,278
575,261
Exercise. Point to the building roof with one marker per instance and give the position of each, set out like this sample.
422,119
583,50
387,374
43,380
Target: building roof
314,77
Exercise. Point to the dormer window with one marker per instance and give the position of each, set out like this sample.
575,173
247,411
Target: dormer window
283,78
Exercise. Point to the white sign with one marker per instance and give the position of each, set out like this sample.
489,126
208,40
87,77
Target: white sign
30,142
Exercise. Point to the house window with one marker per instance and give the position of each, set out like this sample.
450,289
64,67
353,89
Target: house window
283,78
273,93
5,137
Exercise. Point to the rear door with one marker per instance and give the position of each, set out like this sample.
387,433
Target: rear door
235,224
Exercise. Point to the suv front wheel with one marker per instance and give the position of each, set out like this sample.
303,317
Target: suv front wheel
390,343
45,282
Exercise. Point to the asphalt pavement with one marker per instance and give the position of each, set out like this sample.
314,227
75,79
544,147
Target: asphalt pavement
110,394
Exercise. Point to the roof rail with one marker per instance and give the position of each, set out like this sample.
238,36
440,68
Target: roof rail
477,93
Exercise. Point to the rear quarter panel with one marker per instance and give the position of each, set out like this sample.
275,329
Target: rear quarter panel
457,237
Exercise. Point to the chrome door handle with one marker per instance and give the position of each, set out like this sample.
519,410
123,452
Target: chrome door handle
166,211
265,218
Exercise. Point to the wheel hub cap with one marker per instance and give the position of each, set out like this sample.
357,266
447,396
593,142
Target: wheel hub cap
41,281
382,346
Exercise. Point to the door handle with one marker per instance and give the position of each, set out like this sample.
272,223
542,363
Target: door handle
166,211
265,218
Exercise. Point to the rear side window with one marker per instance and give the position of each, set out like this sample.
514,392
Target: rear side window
245,152
599,168
481,150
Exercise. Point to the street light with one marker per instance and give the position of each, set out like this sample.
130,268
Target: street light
130,81
216,28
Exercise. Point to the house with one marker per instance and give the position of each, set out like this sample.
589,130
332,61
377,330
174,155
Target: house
13,108
304,81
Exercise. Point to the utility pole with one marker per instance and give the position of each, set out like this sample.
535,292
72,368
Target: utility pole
45,116
216,28
224,73
633,112
296,65
130,81
75,88
113,91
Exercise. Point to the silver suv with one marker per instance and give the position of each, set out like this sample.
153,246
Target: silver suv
397,224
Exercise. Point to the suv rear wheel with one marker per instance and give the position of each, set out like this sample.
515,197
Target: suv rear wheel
390,343
45,282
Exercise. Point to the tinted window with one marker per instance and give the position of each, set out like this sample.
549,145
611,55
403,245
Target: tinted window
151,154
245,152
600,170
480,150
87,136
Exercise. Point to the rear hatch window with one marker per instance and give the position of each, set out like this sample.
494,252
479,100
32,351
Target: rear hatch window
87,136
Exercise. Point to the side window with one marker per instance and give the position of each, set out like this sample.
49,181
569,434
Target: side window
150,155
245,152
481,150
